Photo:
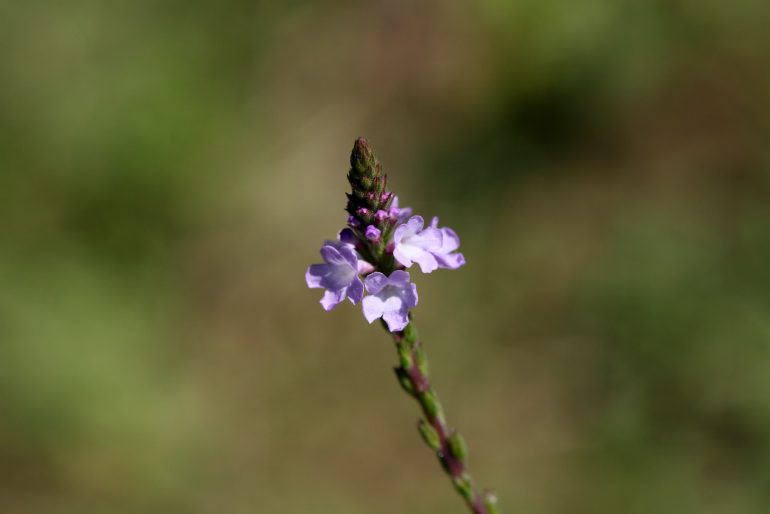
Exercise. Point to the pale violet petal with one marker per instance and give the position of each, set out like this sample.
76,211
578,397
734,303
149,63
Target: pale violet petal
315,273
399,277
427,262
350,256
402,256
375,282
372,307
332,298
356,290
331,255
396,320
451,241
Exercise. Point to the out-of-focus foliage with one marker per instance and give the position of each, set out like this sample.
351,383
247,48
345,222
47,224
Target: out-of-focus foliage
168,169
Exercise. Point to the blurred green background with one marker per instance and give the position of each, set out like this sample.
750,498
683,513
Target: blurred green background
169,169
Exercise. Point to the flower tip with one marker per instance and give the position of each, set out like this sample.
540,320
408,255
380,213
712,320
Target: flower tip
362,155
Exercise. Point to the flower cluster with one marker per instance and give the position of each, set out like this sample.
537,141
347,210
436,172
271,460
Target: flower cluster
381,240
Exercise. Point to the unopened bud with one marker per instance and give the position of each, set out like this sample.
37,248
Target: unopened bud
430,402
403,379
457,446
347,236
373,233
429,434
464,486
380,216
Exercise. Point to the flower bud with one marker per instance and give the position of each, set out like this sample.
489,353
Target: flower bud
380,216
457,446
464,486
429,434
373,233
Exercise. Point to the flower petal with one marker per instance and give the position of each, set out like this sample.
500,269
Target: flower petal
315,274
356,290
330,254
372,307
396,320
350,256
375,282
332,298
450,242
402,255
451,260
399,277
427,262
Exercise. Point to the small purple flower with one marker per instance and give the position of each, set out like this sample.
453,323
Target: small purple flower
415,244
446,255
353,222
338,275
347,236
399,214
373,233
381,216
390,298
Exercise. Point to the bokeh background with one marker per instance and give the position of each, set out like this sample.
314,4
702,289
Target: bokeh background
169,169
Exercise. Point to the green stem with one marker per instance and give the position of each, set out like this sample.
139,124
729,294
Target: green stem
448,444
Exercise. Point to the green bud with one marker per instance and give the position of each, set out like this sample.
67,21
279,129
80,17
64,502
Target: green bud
421,360
457,446
404,356
431,404
404,380
464,486
429,434
490,502
366,181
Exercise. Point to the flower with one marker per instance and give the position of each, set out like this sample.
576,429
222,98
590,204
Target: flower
390,298
399,214
347,236
415,244
372,233
338,275
381,216
449,243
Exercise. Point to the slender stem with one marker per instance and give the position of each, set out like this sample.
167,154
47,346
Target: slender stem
447,443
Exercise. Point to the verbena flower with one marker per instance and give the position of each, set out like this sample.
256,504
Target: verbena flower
413,243
338,275
373,233
399,214
380,239
390,298
446,255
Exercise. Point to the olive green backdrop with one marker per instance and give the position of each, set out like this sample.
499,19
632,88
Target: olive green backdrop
169,169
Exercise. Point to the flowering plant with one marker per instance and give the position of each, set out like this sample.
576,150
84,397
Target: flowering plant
381,241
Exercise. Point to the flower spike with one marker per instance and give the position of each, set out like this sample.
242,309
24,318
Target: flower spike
380,240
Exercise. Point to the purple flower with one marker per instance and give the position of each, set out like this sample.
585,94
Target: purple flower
390,298
381,216
399,214
446,255
347,236
338,275
373,233
415,244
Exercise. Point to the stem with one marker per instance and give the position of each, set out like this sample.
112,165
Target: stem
447,443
